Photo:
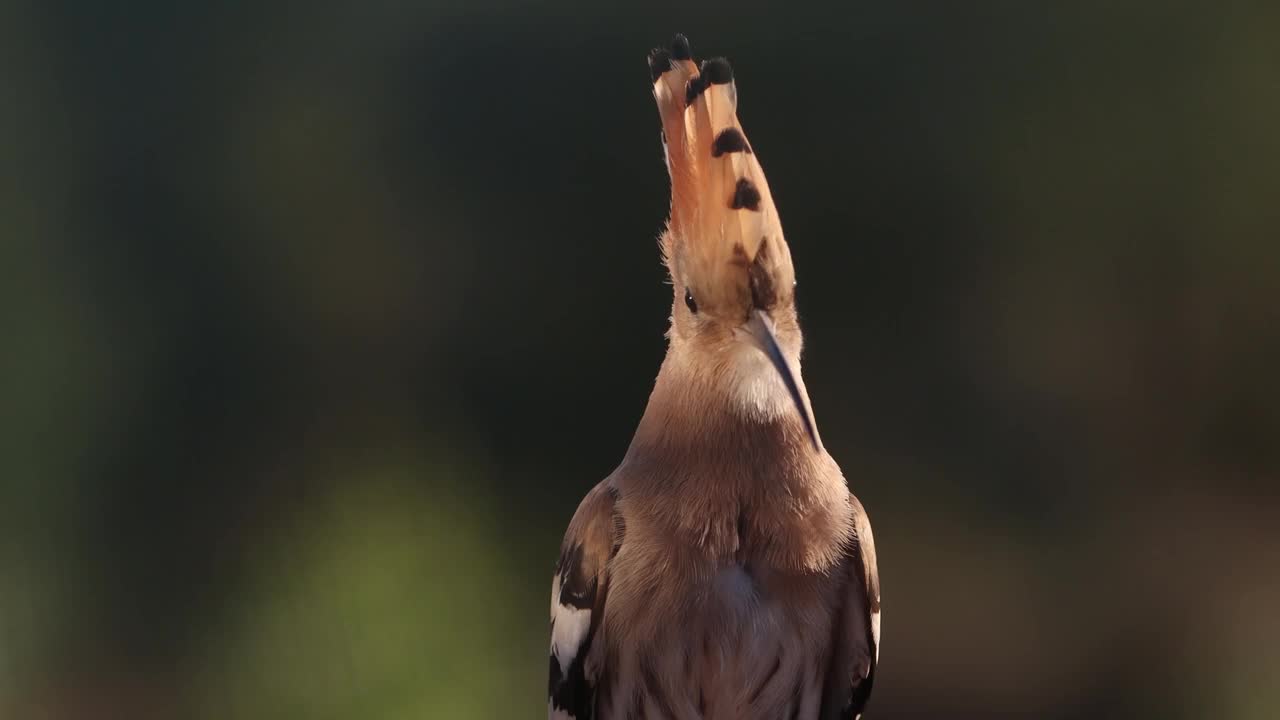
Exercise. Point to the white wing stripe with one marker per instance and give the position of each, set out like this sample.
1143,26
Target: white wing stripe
569,627
875,631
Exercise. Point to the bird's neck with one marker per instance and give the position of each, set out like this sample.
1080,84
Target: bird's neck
736,411
708,461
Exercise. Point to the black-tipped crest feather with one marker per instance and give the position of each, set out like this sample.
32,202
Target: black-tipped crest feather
721,208
659,62
716,71
680,48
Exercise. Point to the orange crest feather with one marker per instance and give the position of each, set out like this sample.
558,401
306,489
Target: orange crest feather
723,220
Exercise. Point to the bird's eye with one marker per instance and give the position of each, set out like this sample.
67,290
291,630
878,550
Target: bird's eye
689,301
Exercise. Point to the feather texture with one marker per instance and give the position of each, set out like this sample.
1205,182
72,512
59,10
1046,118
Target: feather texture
723,219
723,571
578,591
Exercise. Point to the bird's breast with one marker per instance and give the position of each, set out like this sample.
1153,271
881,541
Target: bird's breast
736,640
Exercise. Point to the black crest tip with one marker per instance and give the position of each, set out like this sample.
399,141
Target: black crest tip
693,89
730,140
745,195
680,48
659,62
716,71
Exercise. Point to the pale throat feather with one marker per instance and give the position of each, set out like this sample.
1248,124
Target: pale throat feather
755,388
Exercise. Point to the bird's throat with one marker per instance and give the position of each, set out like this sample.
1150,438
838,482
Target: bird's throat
734,413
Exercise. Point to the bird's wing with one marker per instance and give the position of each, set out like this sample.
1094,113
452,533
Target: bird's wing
856,646
578,593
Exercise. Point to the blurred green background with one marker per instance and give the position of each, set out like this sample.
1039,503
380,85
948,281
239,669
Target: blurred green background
320,318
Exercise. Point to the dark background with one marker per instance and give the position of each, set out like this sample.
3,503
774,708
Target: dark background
318,320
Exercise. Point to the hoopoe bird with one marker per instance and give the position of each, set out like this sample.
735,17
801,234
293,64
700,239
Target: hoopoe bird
723,570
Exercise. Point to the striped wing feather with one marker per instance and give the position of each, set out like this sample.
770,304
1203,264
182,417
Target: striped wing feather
856,646
578,592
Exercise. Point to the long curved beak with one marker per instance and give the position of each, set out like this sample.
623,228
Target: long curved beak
760,328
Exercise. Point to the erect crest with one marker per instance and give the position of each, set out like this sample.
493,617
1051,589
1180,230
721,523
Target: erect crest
724,227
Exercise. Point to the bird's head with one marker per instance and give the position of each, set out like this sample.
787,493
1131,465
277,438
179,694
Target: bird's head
734,322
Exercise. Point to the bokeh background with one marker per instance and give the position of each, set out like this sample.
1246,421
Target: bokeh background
318,320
